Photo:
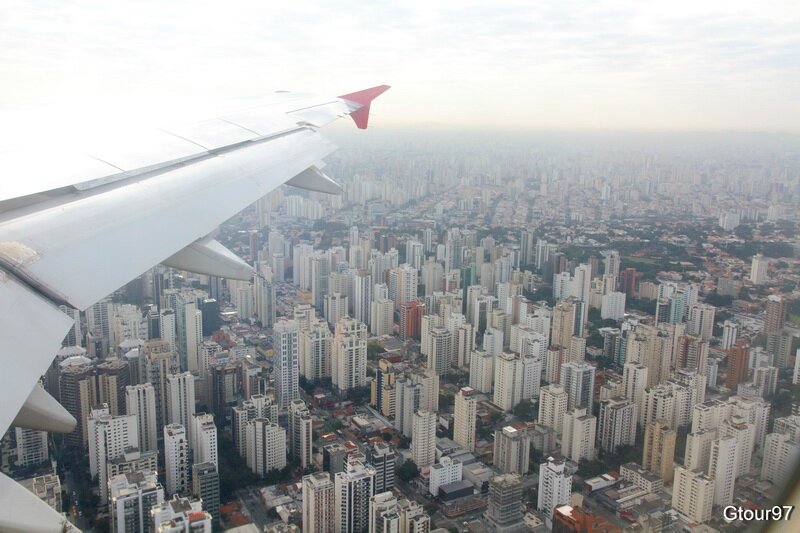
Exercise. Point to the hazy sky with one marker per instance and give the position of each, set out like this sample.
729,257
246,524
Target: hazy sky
537,65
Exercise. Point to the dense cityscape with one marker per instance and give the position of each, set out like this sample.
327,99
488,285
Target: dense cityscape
482,333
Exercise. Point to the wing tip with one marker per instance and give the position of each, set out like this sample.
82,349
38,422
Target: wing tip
364,98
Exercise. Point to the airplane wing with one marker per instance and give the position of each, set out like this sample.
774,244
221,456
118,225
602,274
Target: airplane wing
76,226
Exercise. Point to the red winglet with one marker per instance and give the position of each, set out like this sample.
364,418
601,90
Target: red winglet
365,97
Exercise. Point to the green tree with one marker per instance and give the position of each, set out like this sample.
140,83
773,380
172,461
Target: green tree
407,471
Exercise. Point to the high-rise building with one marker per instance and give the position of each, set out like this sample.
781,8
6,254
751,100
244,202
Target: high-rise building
507,381
617,424
659,449
512,447
109,437
722,467
140,401
349,355
314,351
31,446
481,371
555,485
613,306
353,489
775,314
411,313
160,361
503,512
698,449
286,362
562,324
701,321
264,301
552,407
423,438
133,495
738,360
300,433
440,350
205,485
113,375
180,400
402,283
204,438
384,460
577,379
579,433
781,457
77,395
266,446
319,503
730,333
384,513
320,272
465,418
382,317
336,308
176,459
758,269
693,494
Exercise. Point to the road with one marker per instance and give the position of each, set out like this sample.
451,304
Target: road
252,504
78,521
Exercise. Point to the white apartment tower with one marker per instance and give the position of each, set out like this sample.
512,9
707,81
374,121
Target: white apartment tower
318,503
140,401
552,407
204,439
507,381
693,494
266,446
465,418
180,399
555,486
349,361
300,433
109,437
423,438
286,362
353,489
176,459
578,437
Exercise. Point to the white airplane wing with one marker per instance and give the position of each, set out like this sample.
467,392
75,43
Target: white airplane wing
74,227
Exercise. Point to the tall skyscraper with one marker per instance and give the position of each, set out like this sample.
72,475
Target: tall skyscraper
349,355
738,360
133,495
423,440
176,459
722,469
465,418
503,512
352,490
507,381
319,503
555,485
77,395
286,363
384,460
266,446
577,379
140,401
758,269
579,433
300,433
109,437
180,400
659,449
160,361
512,446
205,485
617,424
204,439
552,407
693,494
